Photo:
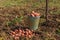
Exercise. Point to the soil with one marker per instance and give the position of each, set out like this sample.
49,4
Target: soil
45,32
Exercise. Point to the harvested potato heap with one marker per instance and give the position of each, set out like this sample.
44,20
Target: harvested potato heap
17,33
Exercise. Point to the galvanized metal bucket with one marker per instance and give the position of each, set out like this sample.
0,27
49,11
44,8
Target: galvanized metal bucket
33,22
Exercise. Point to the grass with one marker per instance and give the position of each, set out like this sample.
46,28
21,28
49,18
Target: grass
33,4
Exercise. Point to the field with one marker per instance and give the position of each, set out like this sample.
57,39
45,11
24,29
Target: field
14,15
